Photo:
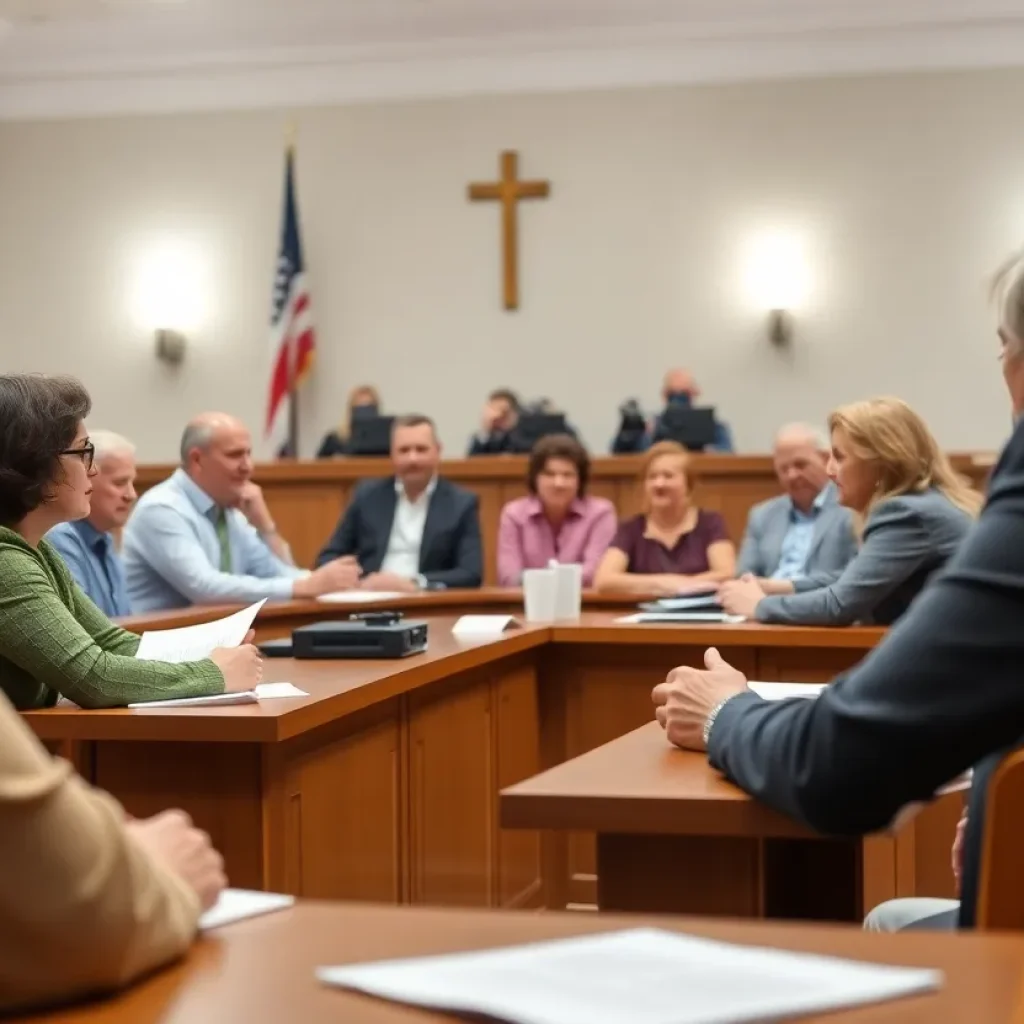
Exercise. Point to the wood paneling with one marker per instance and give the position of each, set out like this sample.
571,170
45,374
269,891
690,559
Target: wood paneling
307,498
452,825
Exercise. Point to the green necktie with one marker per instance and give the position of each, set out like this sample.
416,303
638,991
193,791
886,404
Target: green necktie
220,524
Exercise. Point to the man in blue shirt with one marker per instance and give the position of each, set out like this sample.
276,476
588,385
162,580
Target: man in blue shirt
206,536
87,546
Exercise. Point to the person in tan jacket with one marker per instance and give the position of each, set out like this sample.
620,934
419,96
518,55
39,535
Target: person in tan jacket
89,899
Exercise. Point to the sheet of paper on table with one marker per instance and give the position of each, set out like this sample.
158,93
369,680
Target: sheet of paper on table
360,596
680,617
265,691
193,643
238,904
644,976
483,625
783,691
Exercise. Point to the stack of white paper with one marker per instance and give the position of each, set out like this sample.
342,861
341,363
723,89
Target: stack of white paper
643,976
193,643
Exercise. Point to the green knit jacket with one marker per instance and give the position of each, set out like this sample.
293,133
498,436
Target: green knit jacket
55,641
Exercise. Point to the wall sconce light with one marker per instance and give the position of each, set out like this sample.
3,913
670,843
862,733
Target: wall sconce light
778,281
170,346
780,327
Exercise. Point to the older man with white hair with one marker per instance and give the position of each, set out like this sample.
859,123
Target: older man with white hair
804,533
88,545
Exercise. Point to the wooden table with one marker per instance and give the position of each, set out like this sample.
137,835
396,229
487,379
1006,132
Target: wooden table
383,784
673,836
307,498
261,971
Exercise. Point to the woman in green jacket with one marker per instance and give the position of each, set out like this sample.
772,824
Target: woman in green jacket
53,640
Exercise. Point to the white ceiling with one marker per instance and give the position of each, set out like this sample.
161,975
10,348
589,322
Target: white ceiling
80,57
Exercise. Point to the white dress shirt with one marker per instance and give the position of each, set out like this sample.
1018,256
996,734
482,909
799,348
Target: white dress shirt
403,555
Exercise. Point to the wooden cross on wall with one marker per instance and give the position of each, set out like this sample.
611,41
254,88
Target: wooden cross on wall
509,191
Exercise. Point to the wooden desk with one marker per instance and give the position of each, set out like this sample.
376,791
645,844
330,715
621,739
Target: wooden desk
384,783
261,971
674,836
307,498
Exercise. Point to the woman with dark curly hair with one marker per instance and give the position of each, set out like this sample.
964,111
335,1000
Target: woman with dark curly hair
53,639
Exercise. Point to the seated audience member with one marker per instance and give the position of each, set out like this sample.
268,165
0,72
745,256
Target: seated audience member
53,639
335,442
673,547
205,535
414,530
804,532
90,899
88,545
678,388
497,422
916,510
557,521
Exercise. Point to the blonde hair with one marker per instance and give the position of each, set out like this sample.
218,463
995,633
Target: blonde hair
889,434
1008,294
659,450
363,390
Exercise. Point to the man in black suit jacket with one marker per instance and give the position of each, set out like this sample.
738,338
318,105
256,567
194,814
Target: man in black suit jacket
414,530
941,692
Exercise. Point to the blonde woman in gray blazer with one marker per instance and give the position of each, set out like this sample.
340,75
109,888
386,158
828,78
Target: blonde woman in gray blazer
915,510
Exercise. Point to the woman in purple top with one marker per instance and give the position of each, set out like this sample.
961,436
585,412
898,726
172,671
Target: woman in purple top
674,547
557,521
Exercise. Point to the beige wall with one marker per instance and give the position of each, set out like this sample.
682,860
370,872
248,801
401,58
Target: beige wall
908,190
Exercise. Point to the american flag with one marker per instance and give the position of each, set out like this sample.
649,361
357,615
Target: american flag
291,318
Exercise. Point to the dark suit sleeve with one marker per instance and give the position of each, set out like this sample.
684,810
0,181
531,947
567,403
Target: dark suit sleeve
345,539
941,690
750,550
896,545
469,559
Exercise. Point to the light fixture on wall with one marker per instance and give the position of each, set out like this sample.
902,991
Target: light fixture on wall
778,280
170,346
169,295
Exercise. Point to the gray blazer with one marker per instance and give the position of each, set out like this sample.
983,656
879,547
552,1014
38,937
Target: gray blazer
832,545
905,540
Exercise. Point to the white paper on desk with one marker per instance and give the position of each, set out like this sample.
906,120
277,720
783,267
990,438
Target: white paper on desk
482,625
238,904
193,643
359,596
265,691
680,617
783,691
644,976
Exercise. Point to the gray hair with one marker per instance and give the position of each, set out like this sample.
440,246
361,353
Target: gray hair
1008,292
106,442
196,435
814,434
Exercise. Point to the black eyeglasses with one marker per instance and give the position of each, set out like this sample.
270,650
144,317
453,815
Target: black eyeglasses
87,453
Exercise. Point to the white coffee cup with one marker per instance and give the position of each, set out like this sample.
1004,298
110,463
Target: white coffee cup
568,591
540,587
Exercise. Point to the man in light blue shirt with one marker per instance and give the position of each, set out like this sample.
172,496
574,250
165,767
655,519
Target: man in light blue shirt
87,545
803,533
205,536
